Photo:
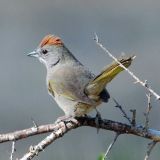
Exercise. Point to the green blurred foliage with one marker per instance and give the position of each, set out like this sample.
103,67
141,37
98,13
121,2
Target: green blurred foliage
101,157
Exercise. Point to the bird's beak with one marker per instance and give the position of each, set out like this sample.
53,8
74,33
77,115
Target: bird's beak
33,54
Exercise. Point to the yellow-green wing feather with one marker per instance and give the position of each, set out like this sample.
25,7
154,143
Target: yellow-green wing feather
96,86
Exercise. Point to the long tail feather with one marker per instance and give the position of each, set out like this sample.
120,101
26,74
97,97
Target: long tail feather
97,85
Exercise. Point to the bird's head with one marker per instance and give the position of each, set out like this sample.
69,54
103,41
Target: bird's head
49,51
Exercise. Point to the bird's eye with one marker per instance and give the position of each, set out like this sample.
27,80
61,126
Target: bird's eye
44,51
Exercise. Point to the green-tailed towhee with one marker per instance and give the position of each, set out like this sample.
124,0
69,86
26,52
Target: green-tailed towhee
75,89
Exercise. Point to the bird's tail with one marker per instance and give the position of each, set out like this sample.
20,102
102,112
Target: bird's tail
97,85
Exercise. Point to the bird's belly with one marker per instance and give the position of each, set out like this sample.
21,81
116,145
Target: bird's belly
73,108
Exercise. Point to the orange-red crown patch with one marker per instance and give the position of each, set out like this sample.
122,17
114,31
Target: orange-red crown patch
51,40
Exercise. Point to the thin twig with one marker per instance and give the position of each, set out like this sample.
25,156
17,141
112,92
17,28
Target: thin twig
13,150
150,148
111,145
126,69
122,110
149,107
34,123
133,117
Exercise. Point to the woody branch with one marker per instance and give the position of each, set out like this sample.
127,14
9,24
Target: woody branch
61,128
105,124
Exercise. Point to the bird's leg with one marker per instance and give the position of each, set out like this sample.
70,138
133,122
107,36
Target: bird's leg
97,120
86,115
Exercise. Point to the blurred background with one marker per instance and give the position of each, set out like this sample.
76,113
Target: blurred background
128,26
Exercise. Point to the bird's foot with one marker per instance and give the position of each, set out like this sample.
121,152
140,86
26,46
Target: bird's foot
66,119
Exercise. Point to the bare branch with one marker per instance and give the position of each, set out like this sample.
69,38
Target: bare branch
122,110
13,150
149,107
60,128
34,123
150,148
133,117
34,150
83,121
126,69
111,145
21,134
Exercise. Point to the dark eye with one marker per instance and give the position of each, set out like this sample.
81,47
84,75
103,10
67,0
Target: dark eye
44,51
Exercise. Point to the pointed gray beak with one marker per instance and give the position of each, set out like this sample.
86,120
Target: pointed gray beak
33,54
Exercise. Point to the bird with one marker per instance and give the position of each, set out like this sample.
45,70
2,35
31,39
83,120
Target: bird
76,90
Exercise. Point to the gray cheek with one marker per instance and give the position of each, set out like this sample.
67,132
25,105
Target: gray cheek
52,58
53,61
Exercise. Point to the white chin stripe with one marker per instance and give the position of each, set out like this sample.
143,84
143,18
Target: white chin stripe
42,60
